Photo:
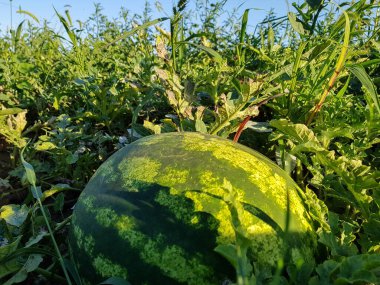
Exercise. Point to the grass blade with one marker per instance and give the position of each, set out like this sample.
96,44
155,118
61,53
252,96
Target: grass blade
10,111
29,14
338,69
210,51
366,81
69,32
31,177
139,28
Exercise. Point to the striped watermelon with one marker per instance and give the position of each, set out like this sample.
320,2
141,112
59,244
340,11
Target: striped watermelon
155,211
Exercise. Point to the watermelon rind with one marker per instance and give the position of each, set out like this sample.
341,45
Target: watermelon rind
157,209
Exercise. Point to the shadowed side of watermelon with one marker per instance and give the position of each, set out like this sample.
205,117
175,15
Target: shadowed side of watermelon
156,210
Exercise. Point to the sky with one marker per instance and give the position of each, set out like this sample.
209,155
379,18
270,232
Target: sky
81,10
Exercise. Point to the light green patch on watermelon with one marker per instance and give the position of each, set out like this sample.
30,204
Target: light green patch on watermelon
88,201
172,260
134,238
268,247
109,218
226,151
263,238
194,220
137,171
241,159
175,205
209,178
211,201
204,202
169,170
83,241
267,180
106,216
105,267
173,176
125,224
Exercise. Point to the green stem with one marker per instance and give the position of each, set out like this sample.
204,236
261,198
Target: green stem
60,258
50,275
227,120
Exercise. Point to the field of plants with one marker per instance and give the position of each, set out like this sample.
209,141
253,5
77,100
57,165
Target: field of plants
302,89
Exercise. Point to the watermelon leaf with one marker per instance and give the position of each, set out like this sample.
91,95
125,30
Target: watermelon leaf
14,214
296,24
9,265
228,251
30,265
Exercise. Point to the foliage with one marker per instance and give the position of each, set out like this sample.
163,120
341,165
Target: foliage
302,88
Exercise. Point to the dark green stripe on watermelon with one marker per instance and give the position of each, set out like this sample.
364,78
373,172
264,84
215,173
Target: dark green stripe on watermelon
155,211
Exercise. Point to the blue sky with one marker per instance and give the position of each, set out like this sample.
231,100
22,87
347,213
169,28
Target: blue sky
80,10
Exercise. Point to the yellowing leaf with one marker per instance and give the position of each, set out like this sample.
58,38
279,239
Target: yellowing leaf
14,215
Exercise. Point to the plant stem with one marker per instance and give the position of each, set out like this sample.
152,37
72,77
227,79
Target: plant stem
338,69
60,258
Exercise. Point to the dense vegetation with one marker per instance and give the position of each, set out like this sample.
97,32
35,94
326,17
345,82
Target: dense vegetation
301,89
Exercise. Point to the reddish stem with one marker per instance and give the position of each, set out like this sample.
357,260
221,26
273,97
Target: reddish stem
241,128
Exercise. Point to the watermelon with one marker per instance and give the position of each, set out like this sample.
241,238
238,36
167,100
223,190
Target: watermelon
156,211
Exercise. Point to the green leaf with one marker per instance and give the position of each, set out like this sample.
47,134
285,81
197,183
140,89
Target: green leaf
10,111
4,183
55,189
325,270
139,28
332,133
44,146
297,132
200,126
357,269
30,265
18,32
113,91
156,129
314,4
33,262
56,103
318,49
372,228
340,239
4,97
25,68
33,240
36,192
228,251
29,14
67,25
72,158
317,209
366,81
14,215
17,278
68,17
243,28
296,24
79,81
8,266
217,56
59,202
30,174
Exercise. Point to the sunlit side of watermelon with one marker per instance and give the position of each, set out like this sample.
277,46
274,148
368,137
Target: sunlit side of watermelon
154,212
